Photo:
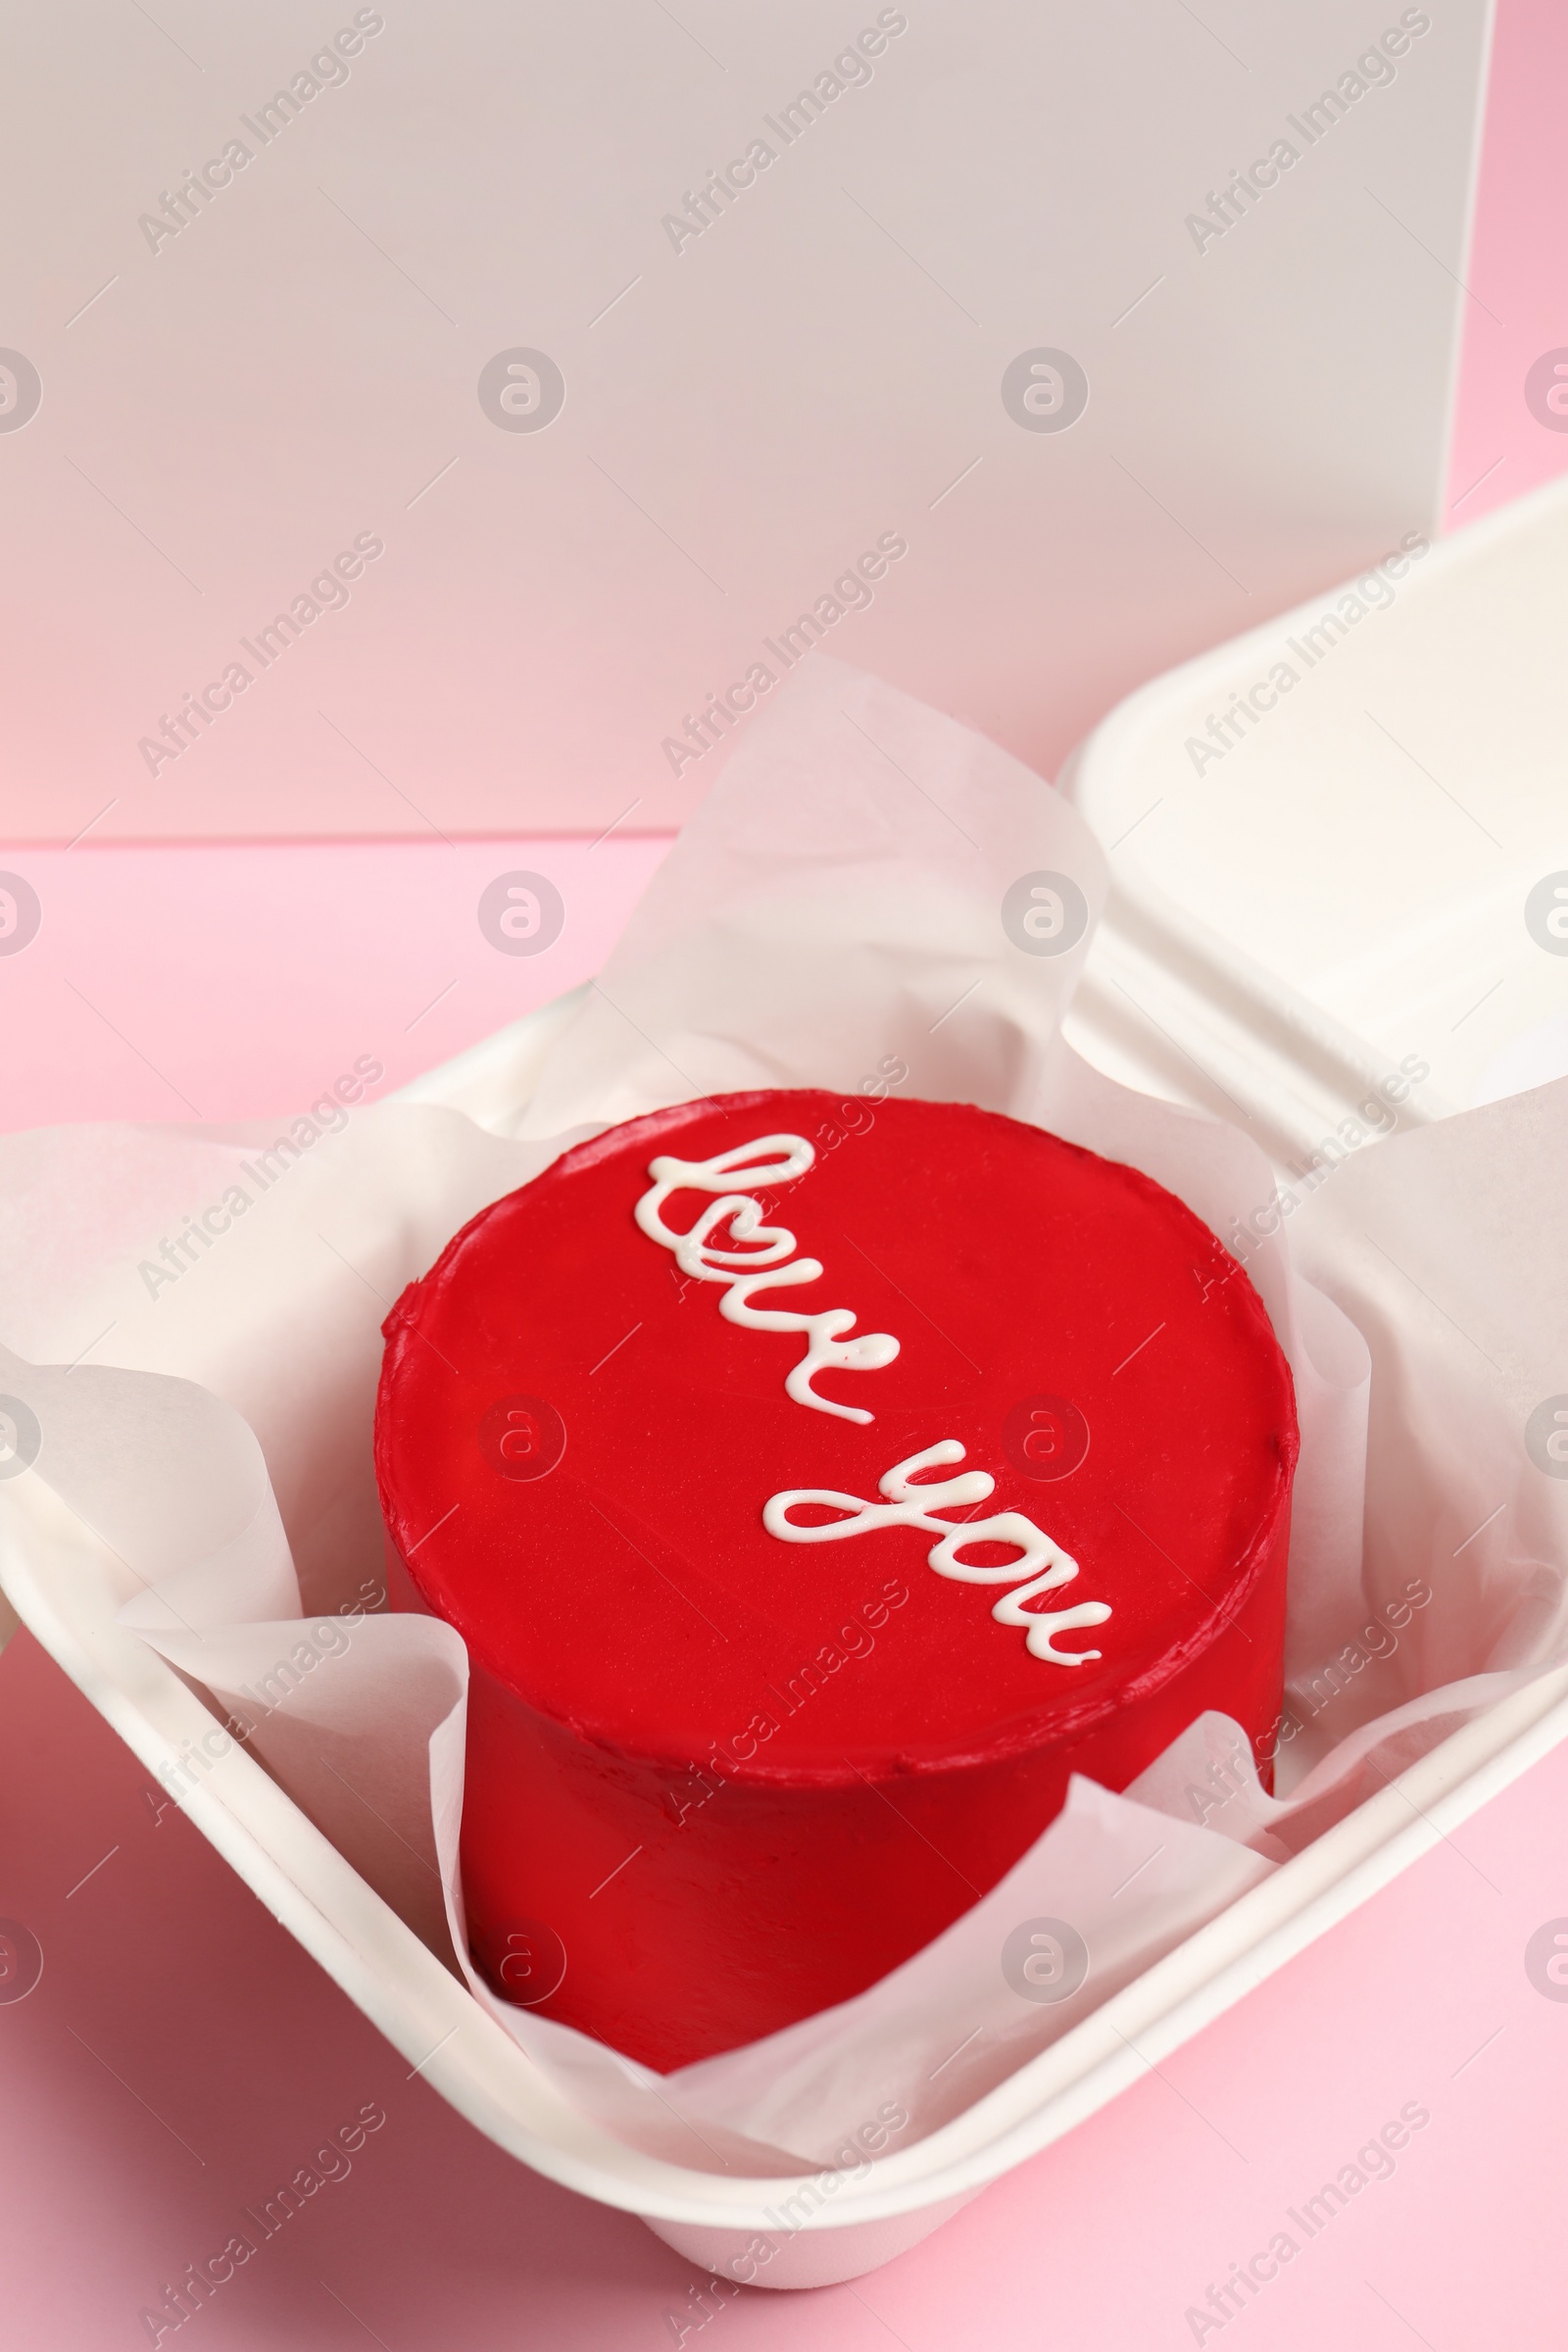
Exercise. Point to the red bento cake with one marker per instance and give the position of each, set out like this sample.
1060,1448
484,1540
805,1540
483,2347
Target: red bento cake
817,1486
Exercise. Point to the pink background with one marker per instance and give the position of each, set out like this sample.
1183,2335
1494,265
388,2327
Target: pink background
180,2055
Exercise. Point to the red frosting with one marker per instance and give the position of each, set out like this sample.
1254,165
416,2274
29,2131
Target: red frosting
718,1779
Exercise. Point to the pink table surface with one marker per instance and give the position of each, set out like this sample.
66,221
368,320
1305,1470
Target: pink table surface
179,2056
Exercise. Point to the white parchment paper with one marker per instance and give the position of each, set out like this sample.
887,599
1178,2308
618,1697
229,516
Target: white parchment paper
835,902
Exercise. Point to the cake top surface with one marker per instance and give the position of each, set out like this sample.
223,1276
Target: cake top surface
681,1435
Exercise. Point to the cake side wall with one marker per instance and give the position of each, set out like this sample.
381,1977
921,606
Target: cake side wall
696,1912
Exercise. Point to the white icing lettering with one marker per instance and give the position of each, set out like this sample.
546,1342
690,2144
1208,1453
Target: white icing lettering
759,1267
1043,1566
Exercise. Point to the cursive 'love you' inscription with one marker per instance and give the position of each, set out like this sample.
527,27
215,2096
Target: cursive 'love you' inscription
762,1260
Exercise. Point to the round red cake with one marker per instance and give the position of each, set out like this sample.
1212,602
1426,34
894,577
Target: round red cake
817,1486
